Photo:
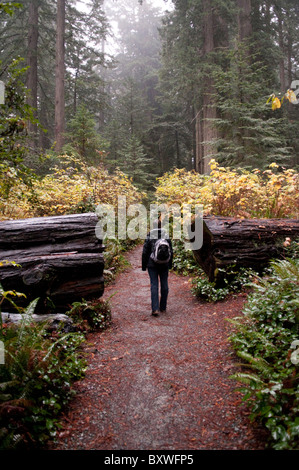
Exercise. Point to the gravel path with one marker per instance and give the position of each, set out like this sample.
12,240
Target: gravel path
160,383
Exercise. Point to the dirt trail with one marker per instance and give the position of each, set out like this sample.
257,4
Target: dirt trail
160,383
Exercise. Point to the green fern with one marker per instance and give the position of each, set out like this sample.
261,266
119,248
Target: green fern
246,378
26,320
287,269
262,337
257,363
250,333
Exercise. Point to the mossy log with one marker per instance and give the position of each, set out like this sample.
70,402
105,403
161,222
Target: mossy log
59,259
248,243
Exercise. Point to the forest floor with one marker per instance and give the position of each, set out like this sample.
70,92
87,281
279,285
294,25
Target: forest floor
160,383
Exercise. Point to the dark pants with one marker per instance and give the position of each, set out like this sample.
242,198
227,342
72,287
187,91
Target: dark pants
155,274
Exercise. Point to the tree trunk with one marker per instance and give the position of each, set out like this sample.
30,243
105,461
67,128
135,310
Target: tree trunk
198,143
248,243
60,76
60,260
282,51
209,110
244,19
178,157
32,63
290,45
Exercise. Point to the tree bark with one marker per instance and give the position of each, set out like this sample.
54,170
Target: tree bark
290,45
244,19
198,142
178,157
60,260
248,243
32,63
209,109
282,51
60,77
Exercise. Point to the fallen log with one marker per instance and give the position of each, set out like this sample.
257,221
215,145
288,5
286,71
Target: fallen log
45,235
59,259
248,243
53,321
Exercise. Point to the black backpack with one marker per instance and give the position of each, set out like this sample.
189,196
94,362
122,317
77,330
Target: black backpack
161,253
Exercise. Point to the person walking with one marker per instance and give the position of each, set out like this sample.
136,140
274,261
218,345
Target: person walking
157,256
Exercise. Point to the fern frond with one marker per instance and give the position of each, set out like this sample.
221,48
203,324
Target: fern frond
287,269
246,378
26,319
257,363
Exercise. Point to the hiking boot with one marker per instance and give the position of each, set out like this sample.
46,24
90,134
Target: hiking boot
163,311
155,313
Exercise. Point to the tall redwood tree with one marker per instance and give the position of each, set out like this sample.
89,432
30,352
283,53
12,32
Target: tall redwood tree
60,76
32,75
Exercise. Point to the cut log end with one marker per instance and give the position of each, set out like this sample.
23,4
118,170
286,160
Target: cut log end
59,259
247,243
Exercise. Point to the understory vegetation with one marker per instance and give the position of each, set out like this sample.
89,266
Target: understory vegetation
39,368
70,187
265,337
41,365
266,340
234,192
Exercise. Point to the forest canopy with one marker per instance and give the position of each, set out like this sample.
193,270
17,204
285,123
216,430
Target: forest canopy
147,87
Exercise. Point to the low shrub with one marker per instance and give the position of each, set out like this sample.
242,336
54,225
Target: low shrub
35,381
114,256
234,192
265,338
95,314
39,369
235,281
72,187
183,260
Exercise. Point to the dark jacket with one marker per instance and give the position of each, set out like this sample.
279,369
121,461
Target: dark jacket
148,247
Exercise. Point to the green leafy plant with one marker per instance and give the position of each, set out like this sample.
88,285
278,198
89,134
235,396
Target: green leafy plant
235,280
115,261
35,379
95,314
263,339
7,295
183,260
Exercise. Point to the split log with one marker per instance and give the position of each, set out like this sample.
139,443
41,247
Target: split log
248,243
53,321
45,235
60,260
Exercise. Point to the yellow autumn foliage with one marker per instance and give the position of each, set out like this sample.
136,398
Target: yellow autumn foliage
74,187
234,192
290,95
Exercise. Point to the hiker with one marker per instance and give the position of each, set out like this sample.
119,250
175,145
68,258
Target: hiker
157,257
